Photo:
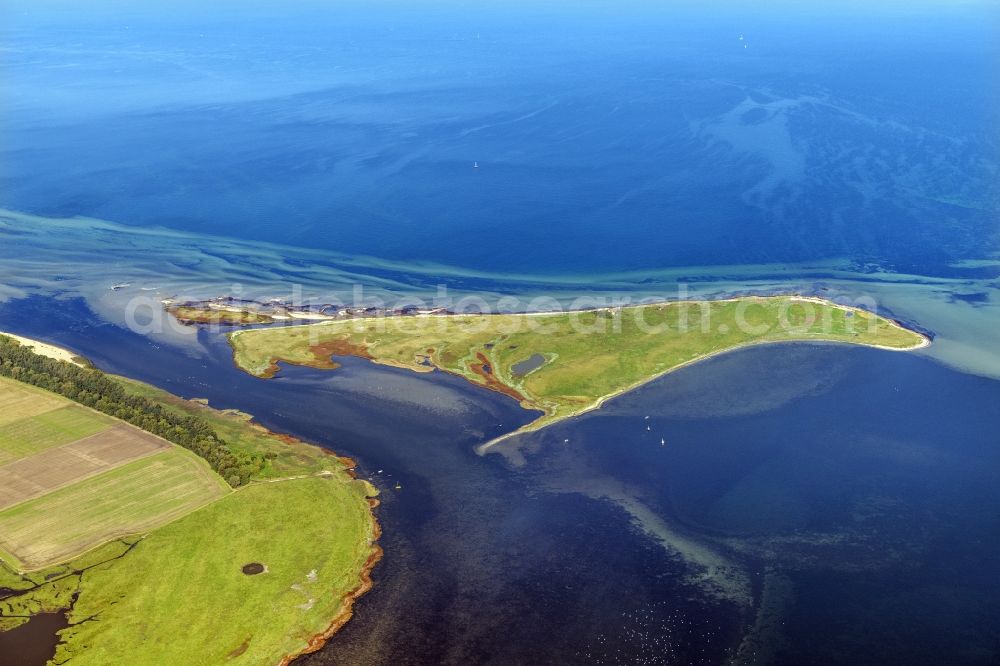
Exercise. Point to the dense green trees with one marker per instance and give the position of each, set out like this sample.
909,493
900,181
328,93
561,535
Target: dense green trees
92,388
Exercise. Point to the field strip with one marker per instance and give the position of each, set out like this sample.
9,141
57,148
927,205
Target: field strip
132,498
34,434
34,476
18,401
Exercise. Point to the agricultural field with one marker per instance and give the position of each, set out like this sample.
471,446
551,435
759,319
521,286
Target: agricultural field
32,420
56,467
19,401
28,435
72,478
157,532
130,499
566,363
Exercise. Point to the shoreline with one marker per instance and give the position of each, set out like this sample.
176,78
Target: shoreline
484,448
48,350
496,386
346,610
365,582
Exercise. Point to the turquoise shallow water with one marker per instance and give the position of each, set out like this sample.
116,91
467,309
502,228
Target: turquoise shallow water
76,257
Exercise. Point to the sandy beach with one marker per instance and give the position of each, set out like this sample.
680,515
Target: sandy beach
45,349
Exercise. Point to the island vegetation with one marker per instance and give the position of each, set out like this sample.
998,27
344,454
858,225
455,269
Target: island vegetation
146,548
565,363
222,316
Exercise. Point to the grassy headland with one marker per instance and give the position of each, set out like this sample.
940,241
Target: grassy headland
587,356
175,591
180,597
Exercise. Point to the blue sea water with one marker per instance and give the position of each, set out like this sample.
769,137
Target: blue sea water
854,489
635,137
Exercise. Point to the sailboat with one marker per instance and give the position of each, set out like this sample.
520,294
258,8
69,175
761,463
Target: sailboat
475,165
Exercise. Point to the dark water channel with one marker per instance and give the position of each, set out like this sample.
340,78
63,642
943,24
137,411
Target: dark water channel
850,493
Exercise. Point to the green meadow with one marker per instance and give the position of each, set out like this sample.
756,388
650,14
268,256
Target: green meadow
152,551
180,597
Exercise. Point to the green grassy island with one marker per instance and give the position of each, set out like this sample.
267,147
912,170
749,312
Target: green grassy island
566,363
200,539
219,316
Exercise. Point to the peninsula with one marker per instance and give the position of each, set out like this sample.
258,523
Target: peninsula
122,508
566,363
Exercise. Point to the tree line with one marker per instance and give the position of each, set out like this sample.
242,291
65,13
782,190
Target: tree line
93,388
